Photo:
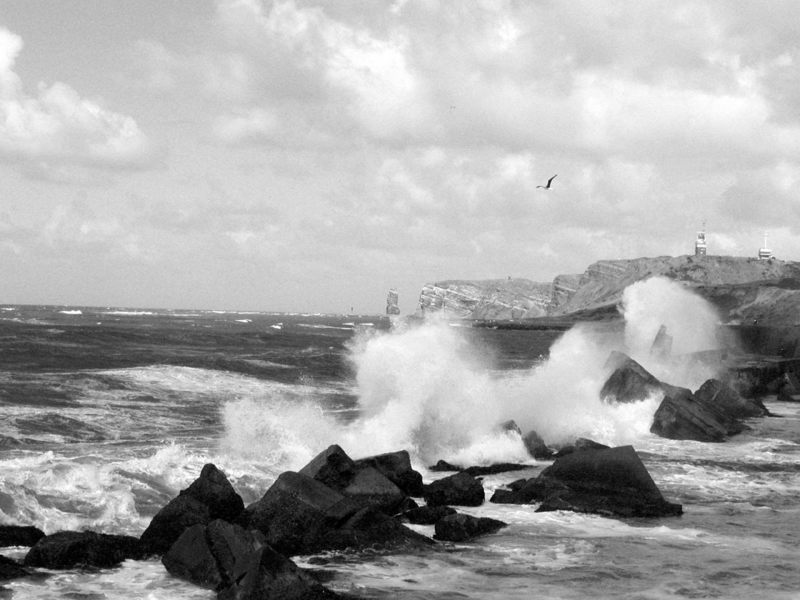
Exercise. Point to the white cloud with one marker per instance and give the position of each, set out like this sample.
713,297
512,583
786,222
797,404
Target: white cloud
58,125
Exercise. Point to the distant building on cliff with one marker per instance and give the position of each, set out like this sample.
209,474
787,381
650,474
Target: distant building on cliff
700,243
764,253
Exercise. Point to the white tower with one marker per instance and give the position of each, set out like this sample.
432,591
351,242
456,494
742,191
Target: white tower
764,253
700,243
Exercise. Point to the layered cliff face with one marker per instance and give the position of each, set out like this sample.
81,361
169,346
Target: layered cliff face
739,287
488,299
745,290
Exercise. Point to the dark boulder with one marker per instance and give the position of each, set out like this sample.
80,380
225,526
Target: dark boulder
680,416
630,381
442,466
332,467
536,446
371,528
209,555
460,489
300,515
460,527
83,549
268,575
213,489
495,469
611,481
510,425
192,559
580,445
11,569
369,487
427,515
720,395
396,467
19,535
296,512
364,483
209,497
169,523
535,489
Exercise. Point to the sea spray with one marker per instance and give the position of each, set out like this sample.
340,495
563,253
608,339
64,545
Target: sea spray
427,390
691,322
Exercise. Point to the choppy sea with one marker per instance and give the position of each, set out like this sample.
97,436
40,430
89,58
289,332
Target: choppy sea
106,414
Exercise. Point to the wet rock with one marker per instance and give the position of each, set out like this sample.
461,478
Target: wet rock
268,575
580,445
630,381
427,515
444,466
364,483
83,549
371,528
209,497
460,527
331,467
716,393
460,489
296,511
495,469
510,425
611,482
662,344
711,414
300,515
536,446
210,555
11,569
396,467
19,535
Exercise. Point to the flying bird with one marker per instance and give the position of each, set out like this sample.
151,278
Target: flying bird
549,181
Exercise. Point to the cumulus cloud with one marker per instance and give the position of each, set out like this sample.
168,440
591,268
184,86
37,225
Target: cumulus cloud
59,126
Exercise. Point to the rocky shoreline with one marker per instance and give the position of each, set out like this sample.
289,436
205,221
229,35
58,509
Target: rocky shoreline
206,535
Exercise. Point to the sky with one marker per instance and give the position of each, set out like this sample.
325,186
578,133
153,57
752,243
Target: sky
307,156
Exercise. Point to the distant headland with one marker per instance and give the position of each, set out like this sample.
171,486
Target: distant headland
745,291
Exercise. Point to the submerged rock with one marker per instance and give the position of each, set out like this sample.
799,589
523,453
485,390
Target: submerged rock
460,527
83,549
611,482
209,497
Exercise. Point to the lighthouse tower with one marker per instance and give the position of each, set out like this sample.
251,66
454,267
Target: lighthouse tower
764,253
700,243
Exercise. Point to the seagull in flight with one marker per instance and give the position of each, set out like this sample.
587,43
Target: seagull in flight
549,181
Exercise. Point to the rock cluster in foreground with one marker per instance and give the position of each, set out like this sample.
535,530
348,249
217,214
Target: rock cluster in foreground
207,536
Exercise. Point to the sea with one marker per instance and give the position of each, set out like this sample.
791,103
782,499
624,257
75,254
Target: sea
107,413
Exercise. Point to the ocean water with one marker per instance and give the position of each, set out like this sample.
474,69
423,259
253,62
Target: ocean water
106,414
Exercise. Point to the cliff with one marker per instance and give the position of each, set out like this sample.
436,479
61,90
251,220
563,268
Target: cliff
744,290
488,299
